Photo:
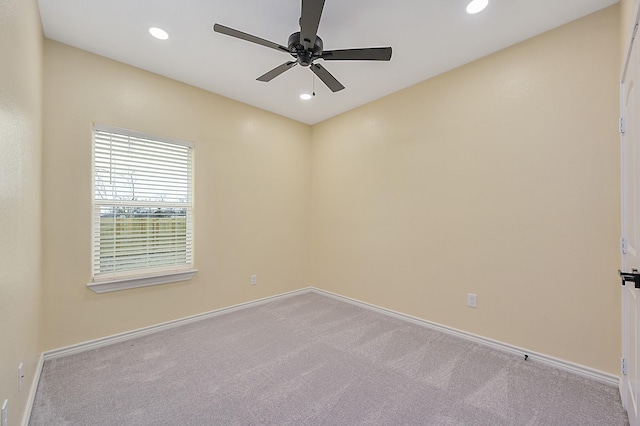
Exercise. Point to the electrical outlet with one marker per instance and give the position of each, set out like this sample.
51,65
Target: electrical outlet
472,300
4,413
20,377
254,279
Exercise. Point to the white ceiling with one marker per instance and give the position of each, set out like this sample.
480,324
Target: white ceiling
428,37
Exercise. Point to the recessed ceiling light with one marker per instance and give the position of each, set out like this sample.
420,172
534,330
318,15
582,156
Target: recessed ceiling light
158,33
305,96
477,6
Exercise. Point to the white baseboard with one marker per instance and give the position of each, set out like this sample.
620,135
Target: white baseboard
580,370
32,392
570,367
128,335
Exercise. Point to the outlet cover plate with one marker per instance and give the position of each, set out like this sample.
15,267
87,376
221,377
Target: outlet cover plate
20,376
4,413
472,300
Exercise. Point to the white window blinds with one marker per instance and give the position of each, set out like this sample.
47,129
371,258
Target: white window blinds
142,212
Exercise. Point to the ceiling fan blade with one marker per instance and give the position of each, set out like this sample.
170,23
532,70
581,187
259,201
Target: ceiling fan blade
268,76
326,77
366,54
309,21
248,37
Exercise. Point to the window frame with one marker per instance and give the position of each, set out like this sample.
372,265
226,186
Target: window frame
139,277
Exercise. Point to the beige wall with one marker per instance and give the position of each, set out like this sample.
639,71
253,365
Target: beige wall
628,10
20,191
252,185
500,178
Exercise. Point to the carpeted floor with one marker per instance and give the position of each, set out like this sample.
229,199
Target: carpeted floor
312,360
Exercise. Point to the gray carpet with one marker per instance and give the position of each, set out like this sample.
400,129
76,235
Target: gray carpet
312,360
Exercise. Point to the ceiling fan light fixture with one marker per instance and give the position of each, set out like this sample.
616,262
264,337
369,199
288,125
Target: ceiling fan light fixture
477,6
158,33
305,96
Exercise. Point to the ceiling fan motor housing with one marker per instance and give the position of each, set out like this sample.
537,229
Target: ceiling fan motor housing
304,56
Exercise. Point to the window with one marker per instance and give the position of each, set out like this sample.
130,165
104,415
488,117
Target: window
142,210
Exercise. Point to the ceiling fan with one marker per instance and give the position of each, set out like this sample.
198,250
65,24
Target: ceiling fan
306,47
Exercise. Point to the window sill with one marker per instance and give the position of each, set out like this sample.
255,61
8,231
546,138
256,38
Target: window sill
127,283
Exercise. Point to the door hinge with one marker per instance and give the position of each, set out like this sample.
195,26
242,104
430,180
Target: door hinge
623,366
623,245
623,125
